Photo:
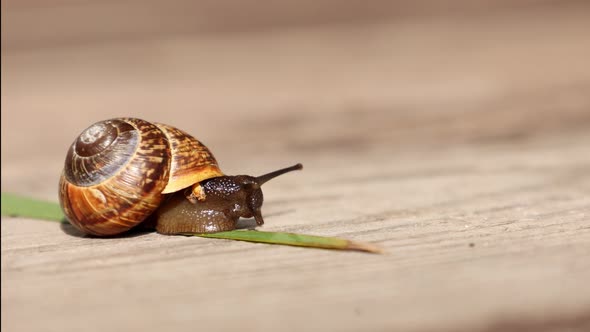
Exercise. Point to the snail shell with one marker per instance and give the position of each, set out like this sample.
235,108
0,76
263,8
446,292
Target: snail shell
117,172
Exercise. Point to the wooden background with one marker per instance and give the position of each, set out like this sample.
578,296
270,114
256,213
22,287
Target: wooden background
455,135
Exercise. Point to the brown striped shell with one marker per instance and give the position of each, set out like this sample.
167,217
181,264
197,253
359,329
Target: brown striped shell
117,171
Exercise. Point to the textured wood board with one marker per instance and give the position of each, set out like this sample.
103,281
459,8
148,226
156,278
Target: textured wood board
462,146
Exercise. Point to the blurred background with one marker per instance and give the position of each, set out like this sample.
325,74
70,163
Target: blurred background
454,133
285,80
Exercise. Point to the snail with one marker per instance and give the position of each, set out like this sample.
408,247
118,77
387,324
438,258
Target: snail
125,172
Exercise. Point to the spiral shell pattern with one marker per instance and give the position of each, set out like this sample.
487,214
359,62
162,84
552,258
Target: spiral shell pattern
117,170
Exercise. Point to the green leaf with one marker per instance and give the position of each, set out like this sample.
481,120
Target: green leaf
20,206
291,239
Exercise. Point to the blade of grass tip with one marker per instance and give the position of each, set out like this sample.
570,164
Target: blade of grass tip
20,206
291,239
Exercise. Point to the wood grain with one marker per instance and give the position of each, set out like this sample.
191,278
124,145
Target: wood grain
460,144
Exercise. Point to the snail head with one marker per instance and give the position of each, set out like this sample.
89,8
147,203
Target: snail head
240,195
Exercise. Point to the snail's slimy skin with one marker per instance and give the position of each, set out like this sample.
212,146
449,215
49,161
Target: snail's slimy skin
227,198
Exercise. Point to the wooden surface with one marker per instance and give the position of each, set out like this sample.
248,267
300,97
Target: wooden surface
458,141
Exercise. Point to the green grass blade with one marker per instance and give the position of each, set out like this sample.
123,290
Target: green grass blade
20,206
291,239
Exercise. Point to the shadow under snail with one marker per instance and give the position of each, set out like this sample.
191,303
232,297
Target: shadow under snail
123,172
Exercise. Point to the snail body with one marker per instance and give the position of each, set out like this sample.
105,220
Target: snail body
119,172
